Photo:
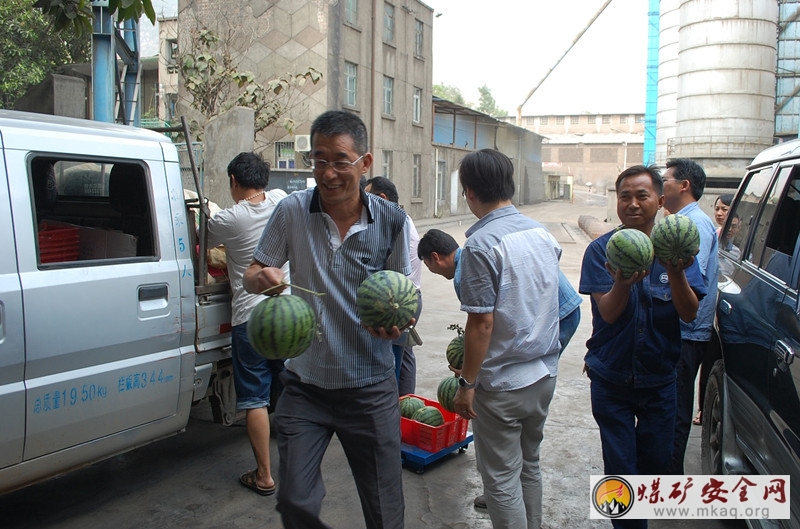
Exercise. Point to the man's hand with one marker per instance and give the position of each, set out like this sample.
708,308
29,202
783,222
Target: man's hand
389,334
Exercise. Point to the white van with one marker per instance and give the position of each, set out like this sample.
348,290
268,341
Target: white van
108,330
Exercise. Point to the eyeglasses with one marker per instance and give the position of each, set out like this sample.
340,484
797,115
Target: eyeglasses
340,166
665,180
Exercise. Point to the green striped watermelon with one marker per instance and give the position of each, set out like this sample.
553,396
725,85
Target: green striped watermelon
387,299
675,237
629,250
282,326
409,405
455,352
429,415
446,391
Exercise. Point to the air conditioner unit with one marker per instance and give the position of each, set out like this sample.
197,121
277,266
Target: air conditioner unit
302,143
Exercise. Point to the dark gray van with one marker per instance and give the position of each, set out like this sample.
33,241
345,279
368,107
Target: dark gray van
751,411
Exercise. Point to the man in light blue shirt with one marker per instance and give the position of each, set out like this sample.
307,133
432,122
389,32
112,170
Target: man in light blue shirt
509,281
684,183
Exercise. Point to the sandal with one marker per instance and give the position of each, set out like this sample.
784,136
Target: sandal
698,419
250,480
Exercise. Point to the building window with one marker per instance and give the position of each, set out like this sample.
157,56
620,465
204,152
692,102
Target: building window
543,120
574,120
388,95
416,112
172,55
559,120
419,37
388,23
350,83
441,179
351,11
623,118
639,118
606,120
386,166
284,154
416,185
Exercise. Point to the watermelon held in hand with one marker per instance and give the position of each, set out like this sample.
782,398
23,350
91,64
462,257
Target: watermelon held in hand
455,352
387,299
282,327
675,237
446,392
409,405
629,250
429,415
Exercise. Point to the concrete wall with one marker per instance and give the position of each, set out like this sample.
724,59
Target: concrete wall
58,95
226,136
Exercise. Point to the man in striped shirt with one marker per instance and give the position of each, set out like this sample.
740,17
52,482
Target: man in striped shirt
334,236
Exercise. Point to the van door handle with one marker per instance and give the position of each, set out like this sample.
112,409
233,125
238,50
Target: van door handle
725,307
149,293
784,354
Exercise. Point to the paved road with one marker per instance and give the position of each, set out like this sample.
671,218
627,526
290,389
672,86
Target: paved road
190,480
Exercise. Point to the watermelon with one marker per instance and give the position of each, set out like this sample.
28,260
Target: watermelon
387,299
455,352
408,405
282,326
629,250
429,415
446,391
675,237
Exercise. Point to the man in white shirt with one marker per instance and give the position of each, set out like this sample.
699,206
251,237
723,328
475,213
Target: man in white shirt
239,228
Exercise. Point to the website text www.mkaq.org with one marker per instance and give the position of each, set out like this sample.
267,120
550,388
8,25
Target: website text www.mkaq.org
712,512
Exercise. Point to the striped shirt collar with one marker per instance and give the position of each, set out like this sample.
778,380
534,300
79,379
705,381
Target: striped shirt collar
316,207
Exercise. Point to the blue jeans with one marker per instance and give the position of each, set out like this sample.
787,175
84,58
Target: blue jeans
252,373
636,430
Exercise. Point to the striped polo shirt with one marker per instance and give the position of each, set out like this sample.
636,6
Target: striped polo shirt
343,355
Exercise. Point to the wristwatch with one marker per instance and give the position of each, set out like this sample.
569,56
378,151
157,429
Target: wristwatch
466,385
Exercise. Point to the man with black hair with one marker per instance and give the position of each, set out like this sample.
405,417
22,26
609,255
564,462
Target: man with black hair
334,236
239,228
509,290
684,183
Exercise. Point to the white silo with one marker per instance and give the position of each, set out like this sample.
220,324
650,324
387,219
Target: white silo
669,24
726,82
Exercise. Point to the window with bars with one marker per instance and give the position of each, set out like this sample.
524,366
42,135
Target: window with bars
284,154
416,169
388,95
350,83
386,165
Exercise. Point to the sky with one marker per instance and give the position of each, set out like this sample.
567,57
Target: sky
510,45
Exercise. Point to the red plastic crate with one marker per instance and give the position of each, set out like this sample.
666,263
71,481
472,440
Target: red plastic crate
434,438
58,243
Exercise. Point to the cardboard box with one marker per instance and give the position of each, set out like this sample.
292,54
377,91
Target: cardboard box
97,243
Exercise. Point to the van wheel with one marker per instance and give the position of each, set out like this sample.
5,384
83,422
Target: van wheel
713,413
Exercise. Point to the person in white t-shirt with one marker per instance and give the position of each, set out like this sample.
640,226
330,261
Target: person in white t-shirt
239,228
